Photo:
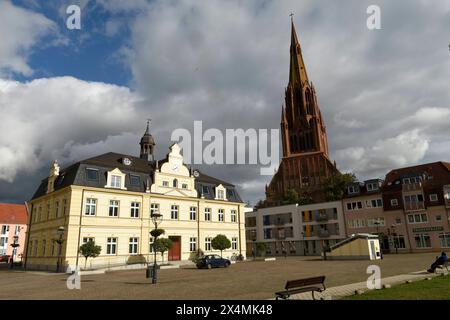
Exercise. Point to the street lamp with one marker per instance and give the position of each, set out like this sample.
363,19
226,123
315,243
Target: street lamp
14,245
156,218
394,235
59,241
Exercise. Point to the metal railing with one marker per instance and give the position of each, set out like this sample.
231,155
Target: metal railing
414,205
406,187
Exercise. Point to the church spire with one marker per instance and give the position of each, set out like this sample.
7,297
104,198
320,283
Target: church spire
297,71
147,144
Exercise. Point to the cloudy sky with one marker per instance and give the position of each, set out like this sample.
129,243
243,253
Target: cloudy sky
72,94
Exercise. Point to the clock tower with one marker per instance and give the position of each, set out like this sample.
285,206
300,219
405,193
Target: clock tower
147,145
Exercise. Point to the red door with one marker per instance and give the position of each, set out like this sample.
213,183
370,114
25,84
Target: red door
175,251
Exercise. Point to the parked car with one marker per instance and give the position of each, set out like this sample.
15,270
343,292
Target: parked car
213,261
4,258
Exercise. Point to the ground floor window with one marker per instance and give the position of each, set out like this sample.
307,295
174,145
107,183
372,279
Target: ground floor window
422,240
234,243
88,239
111,246
151,241
207,244
133,246
193,244
399,242
444,240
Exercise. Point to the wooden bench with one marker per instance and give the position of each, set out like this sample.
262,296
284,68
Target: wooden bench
315,284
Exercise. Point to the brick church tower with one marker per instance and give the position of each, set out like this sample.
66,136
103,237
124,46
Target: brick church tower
305,163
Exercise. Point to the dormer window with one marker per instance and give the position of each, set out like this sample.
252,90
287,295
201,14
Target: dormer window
372,186
205,190
352,189
220,194
116,181
91,174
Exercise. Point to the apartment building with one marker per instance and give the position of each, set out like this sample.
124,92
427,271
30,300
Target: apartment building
13,226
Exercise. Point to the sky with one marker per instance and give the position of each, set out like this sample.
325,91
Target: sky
73,94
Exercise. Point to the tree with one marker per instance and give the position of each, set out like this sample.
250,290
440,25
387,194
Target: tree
155,233
293,197
89,250
261,248
163,245
336,185
220,242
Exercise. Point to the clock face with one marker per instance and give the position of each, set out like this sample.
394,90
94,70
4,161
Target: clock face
196,173
175,167
126,161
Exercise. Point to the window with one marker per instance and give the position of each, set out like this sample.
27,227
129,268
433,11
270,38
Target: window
111,246
133,246
116,181
165,183
394,202
377,203
17,230
91,205
399,242
205,190
398,221
356,223
48,212
233,216
154,209
220,194
267,233
91,174
230,193
207,214
135,207
174,212
64,207
438,218
135,180
372,186
88,239
433,197
5,229
35,247
221,215
376,222
193,244
44,247
418,218
53,248
422,240
352,189
357,205
175,183
184,186
114,208
208,244
444,240
234,243
193,213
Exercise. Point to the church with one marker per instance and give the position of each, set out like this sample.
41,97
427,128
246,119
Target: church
109,198
306,162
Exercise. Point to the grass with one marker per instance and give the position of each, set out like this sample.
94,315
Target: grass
436,289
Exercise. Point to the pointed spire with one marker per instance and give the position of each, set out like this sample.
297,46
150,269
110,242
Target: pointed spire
297,72
147,131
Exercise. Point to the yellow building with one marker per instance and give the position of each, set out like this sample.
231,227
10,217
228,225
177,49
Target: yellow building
109,199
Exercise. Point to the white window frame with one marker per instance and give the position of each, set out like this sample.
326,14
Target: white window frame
193,213
91,207
394,202
174,212
234,243
111,243
417,218
135,209
154,208
165,183
116,181
208,246
133,245
192,244
221,215
87,239
433,197
114,204
233,215
422,240
207,214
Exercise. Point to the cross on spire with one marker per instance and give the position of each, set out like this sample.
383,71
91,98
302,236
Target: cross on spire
148,125
292,16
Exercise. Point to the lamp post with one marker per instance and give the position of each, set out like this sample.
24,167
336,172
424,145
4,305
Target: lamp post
59,241
14,245
156,218
394,235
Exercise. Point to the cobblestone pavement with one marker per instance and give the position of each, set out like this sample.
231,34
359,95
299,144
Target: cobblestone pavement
244,280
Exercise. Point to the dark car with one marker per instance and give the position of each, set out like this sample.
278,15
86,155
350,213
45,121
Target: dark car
213,261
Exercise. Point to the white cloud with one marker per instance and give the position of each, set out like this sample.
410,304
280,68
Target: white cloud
63,118
21,29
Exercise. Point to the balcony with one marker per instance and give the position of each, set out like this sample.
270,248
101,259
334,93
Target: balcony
414,205
321,217
416,186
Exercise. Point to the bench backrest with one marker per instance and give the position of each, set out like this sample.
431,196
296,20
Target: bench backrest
304,282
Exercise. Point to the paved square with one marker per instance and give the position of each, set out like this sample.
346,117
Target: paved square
246,280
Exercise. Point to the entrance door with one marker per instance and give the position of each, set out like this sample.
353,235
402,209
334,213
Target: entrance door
175,251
